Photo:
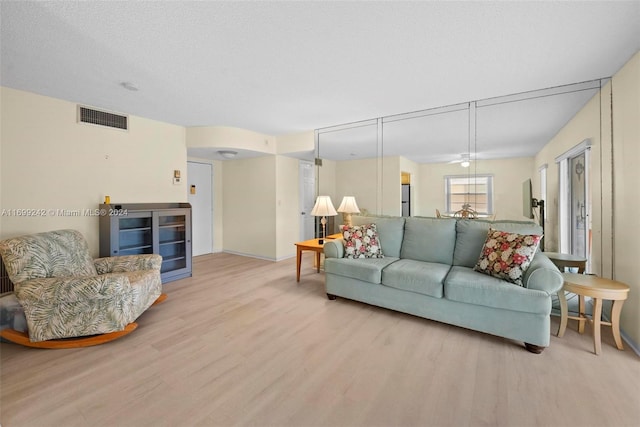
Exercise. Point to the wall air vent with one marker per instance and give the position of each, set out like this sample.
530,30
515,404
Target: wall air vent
102,118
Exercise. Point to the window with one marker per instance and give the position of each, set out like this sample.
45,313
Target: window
476,190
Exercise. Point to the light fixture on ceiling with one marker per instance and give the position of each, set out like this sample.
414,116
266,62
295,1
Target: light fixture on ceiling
228,154
129,86
464,160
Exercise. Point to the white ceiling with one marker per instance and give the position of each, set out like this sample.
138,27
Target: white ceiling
284,67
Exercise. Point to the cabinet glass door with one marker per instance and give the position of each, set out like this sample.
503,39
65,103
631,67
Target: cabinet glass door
134,234
173,240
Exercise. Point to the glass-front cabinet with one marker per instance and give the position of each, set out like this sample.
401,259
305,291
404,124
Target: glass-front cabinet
146,228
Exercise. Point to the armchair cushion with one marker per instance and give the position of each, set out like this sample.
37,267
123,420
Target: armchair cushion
61,253
71,289
120,264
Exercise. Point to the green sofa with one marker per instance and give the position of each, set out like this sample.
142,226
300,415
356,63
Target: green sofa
427,271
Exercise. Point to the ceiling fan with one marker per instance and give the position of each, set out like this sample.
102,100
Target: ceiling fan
464,160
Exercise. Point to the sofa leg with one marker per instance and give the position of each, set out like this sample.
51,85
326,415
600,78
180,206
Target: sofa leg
536,349
331,297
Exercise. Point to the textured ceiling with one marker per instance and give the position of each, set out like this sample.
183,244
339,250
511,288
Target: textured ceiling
284,67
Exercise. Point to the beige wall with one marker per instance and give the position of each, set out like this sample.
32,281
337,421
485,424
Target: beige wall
626,178
507,184
248,210
326,179
358,178
413,169
240,184
218,231
230,137
51,162
585,125
616,182
287,206
260,211
391,194
296,143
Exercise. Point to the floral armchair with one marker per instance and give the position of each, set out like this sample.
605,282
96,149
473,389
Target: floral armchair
65,293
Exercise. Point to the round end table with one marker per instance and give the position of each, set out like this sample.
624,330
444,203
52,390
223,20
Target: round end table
567,260
597,288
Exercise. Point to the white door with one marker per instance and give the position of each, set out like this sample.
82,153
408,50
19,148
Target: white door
575,203
307,177
200,195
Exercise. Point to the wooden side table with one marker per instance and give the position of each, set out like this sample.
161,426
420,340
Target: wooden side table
567,260
597,288
311,245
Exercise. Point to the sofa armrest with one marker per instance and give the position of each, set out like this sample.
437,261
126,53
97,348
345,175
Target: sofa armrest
48,290
543,275
122,264
334,248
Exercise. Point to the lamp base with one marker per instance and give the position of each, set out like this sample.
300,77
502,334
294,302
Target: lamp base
320,241
346,218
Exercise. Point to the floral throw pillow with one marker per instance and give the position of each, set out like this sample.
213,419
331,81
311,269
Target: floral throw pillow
507,255
361,241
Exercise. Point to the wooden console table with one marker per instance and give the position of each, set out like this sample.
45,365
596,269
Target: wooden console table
314,246
597,288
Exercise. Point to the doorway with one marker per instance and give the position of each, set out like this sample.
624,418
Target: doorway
200,195
575,203
307,178
405,203
578,206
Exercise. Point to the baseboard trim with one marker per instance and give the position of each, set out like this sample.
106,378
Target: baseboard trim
626,338
282,258
226,251
632,345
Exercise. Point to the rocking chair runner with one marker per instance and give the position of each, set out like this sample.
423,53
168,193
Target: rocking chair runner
71,300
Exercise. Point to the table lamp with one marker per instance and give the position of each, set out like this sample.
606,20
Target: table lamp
323,208
347,207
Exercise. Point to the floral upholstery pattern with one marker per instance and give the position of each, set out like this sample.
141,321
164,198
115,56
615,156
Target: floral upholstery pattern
60,253
64,294
507,255
361,241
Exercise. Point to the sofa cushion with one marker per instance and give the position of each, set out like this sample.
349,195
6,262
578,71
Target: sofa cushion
429,239
361,241
520,227
463,284
425,278
367,269
470,236
507,255
390,232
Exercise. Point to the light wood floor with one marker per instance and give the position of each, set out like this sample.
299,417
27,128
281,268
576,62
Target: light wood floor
241,343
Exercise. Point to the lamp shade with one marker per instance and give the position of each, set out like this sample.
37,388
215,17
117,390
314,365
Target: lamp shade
323,207
348,205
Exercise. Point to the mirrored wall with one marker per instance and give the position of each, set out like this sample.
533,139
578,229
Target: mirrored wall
420,156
